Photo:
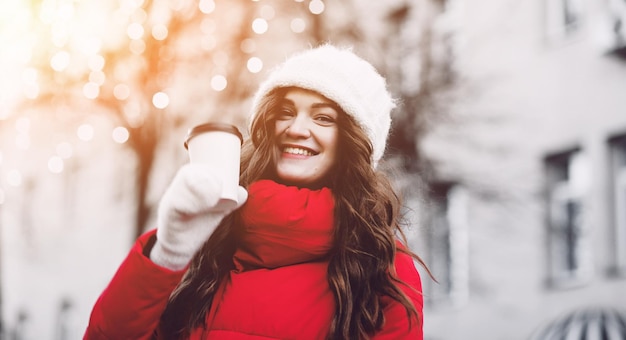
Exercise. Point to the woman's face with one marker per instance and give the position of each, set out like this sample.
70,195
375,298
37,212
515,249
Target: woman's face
306,136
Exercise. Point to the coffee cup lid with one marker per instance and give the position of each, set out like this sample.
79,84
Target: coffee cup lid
207,127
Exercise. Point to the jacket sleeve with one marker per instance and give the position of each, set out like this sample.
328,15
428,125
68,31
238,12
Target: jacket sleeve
398,325
131,305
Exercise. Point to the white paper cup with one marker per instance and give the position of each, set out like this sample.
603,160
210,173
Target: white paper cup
218,145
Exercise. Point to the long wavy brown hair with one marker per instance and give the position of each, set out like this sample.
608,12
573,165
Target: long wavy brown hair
361,261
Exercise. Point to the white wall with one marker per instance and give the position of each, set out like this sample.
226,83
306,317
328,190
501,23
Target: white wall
520,100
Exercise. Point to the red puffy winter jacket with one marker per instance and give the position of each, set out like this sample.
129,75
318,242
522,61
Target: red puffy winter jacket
269,303
280,297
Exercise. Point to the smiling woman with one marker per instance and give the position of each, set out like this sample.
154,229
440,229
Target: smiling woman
310,252
306,138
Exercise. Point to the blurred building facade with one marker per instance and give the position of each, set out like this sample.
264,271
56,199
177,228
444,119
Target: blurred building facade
526,219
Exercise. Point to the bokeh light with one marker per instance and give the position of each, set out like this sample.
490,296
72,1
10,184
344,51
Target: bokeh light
135,31
255,65
85,132
267,12
120,135
206,6
160,100
259,25
60,61
55,164
91,90
159,32
298,25
316,6
96,62
218,82
121,91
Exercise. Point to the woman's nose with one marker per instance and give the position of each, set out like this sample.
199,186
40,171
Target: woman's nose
299,127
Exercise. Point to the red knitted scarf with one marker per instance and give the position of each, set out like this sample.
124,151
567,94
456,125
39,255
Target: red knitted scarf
284,225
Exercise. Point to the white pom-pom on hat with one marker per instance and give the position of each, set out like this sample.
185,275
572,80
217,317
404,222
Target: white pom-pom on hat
343,77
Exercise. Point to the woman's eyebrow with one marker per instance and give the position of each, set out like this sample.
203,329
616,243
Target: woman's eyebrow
288,101
324,105
319,105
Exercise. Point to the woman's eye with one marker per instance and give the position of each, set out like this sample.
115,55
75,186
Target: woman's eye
285,113
325,118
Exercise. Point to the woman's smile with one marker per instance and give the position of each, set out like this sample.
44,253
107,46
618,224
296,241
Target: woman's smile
291,150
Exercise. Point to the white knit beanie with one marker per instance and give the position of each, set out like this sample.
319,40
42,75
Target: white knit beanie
343,77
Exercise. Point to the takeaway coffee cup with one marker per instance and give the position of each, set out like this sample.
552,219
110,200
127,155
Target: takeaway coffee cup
218,145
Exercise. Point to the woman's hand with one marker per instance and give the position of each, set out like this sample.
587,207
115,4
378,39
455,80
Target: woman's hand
188,214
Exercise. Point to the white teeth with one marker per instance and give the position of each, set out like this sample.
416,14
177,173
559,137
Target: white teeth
298,151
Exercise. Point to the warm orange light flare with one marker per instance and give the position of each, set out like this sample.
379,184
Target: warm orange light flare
58,53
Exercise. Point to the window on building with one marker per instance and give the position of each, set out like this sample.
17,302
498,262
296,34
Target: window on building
568,241
617,26
617,183
448,245
563,18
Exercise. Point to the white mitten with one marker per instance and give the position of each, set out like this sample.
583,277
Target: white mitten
188,215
